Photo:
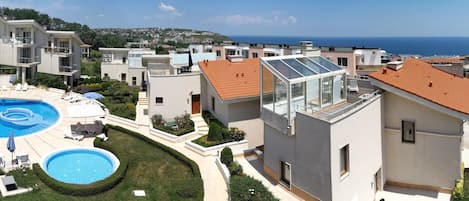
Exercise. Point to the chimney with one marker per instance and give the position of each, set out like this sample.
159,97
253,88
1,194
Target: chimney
394,65
308,50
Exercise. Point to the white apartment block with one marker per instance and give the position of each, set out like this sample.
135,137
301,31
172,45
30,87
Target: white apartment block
30,48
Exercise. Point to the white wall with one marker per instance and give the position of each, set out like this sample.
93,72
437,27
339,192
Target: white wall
176,92
114,71
370,56
435,158
246,116
365,154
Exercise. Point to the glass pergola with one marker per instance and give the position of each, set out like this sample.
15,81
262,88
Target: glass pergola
291,83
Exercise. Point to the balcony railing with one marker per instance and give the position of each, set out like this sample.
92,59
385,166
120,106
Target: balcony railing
23,40
26,60
66,69
53,50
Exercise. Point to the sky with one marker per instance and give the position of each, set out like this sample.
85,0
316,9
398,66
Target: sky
314,18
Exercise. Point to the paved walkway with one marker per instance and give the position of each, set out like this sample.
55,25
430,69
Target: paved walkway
392,193
42,143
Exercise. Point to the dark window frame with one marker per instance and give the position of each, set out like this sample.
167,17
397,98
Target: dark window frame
405,139
159,100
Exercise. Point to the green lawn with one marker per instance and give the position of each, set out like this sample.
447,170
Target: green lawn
161,175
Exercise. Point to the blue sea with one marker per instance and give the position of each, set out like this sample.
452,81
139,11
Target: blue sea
425,46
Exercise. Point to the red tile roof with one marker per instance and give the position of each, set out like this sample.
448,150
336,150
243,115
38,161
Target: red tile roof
233,80
451,60
423,80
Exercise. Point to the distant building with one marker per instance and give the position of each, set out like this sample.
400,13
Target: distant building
451,65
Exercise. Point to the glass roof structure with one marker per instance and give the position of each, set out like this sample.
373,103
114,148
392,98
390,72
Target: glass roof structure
298,66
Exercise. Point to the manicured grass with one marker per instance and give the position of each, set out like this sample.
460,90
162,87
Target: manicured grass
161,175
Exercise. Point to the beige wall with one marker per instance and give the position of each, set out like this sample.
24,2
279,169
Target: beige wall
176,92
365,153
114,71
351,60
221,49
221,110
137,73
259,51
246,116
435,158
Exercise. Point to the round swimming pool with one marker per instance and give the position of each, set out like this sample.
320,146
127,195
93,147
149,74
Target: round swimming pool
24,117
80,165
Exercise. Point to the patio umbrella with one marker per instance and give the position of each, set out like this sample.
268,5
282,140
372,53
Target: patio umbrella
190,60
93,95
11,144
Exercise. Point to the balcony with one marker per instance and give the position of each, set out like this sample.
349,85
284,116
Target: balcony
58,50
27,60
23,40
65,69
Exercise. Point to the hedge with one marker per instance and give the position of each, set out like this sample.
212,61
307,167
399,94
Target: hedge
241,187
194,167
88,189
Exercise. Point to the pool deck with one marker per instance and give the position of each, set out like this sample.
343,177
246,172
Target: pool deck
44,142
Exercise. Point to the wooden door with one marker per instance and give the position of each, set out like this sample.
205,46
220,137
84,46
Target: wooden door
196,104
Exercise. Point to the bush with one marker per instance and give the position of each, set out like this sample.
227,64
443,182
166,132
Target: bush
188,188
248,188
52,81
235,169
184,123
226,156
214,132
236,134
458,191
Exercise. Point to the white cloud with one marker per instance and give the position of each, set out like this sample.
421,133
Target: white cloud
100,15
240,19
169,9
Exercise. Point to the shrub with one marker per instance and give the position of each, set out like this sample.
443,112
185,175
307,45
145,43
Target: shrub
237,134
53,81
458,191
235,169
157,120
248,188
225,132
188,188
226,156
214,132
184,123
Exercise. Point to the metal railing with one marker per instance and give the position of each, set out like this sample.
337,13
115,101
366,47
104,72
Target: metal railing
23,40
26,60
65,50
66,69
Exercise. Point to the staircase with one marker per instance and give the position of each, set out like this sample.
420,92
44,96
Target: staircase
142,98
200,124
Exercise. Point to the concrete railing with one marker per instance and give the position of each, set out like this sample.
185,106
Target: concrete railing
237,147
172,138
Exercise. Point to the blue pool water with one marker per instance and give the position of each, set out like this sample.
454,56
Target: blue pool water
44,116
80,165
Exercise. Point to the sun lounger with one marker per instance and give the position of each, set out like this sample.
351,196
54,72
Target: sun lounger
4,88
69,134
9,183
2,161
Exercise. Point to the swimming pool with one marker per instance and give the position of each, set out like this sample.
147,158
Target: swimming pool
24,117
80,165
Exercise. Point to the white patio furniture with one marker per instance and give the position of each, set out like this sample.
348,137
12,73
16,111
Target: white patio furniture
23,159
69,134
18,87
25,87
4,88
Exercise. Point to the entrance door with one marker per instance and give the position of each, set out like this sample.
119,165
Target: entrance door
196,104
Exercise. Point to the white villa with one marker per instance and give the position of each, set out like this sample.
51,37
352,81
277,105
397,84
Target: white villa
324,143
30,48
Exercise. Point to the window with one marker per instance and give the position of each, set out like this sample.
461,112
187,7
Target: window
255,55
213,104
408,131
218,53
326,91
285,174
159,100
342,61
134,81
344,160
123,77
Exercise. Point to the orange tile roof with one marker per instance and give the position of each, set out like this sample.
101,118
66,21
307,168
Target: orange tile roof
233,80
425,81
444,60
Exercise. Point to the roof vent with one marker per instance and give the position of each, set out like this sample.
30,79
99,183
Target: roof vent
430,84
235,58
395,65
